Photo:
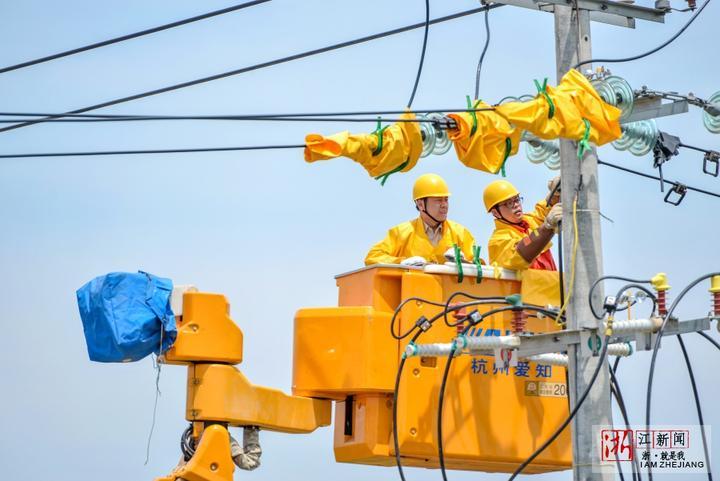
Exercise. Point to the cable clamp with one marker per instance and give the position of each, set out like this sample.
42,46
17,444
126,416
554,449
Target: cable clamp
711,157
478,264
423,323
680,190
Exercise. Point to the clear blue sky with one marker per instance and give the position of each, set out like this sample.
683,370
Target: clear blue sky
267,229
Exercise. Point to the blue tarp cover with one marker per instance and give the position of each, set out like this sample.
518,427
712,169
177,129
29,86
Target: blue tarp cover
125,315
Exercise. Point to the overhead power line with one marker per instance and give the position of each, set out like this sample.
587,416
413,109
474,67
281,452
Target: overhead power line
257,66
422,53
142,152
648,176
131,36
649,52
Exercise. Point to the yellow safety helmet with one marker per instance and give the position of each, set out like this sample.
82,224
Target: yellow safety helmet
498,191
430,185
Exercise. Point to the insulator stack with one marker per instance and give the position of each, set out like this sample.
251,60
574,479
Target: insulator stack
518,322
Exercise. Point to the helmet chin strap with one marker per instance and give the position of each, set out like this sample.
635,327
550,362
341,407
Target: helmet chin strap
503,219
424,211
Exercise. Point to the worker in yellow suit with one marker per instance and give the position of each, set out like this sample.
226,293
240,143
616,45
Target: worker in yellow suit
429,238
522,240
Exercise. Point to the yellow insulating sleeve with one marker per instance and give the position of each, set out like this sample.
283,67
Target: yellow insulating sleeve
402,144
486,148
660,282
715,284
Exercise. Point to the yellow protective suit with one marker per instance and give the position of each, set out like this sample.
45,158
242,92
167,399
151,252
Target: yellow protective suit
574,99
409,239
401,144
486,149
501,246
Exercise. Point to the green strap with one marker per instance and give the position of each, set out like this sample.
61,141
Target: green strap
476,261
584,144
379,130
458,261
384,177
542,90
473,114
508,149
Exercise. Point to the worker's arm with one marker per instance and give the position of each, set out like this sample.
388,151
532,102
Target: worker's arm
536,241
386,251
502,249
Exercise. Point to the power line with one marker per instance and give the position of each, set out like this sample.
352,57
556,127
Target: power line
130,36
482,56
251,68
142,152
313,116
422,53
649,52
642,174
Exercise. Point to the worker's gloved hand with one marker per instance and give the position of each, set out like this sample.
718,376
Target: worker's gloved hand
414,261
555,198
553,218
450,255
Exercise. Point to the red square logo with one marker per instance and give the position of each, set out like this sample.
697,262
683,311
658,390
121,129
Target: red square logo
616,444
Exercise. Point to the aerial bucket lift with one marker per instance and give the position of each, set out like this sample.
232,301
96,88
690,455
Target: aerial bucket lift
498,410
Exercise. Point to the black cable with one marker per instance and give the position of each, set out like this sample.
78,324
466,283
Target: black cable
614,394
422,53
129,117
469,296
236,118
482,55
605,278
627,287
397,311
143,152
713,341
697,404
623,411
602,162
251,68
649,52
441,398
656,348
130,36
581,400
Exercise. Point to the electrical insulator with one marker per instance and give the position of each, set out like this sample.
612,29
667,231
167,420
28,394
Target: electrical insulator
435,138
715,291
711,114
638,138
518,321
542,151
616,91
660,283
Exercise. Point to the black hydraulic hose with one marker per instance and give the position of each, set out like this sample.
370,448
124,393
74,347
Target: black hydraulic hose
656,347
614,393
396,442
482,56
698,407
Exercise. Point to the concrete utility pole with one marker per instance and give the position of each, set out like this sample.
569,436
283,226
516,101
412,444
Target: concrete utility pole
573,44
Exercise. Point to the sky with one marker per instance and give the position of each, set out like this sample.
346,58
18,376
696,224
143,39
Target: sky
265,228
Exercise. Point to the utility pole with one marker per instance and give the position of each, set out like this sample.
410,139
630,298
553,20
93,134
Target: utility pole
579,178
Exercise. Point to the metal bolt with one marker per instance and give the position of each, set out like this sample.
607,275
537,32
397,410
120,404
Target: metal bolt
416,372
213,467
413,431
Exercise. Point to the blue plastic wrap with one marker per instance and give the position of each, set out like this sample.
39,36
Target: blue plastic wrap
126,315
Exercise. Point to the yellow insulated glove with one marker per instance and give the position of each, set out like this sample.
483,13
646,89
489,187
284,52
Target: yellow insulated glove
482,143
401,144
